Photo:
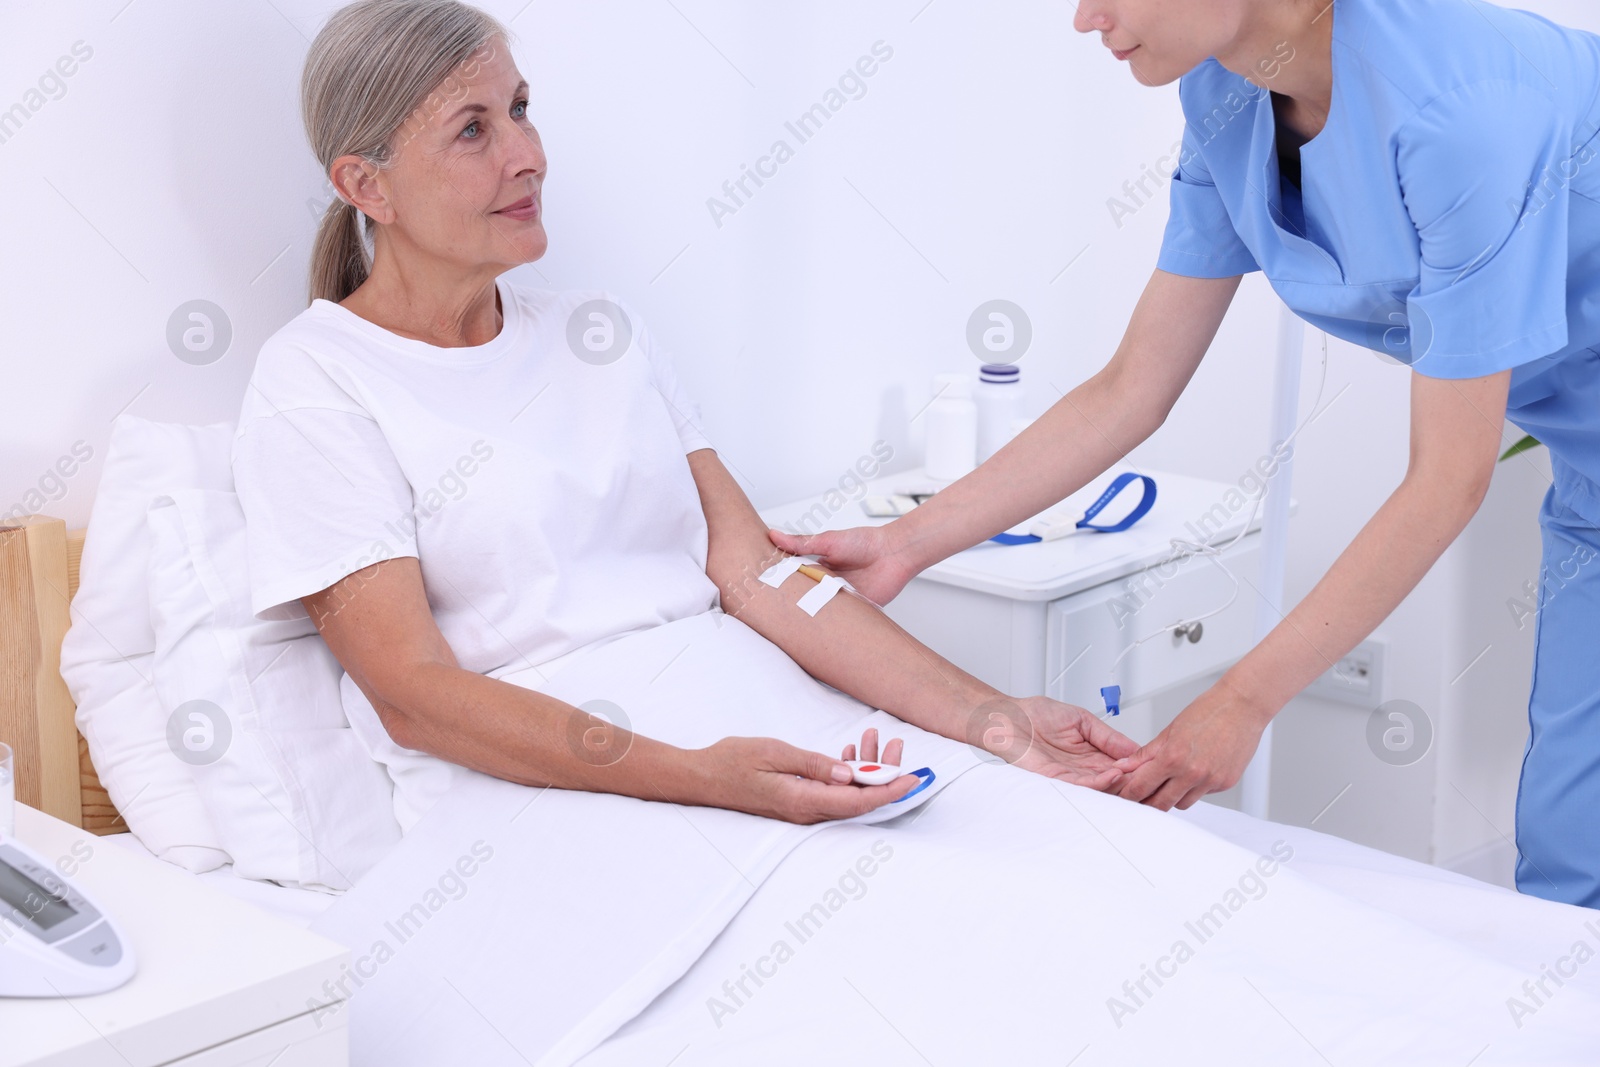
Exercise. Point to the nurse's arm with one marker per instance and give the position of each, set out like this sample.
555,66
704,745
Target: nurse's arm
1094,426
1455,440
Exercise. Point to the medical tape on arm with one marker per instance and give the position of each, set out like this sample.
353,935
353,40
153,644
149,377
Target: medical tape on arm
775,574
826,589
823,592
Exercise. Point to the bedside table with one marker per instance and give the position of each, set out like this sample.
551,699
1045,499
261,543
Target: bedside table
220,983
1051,618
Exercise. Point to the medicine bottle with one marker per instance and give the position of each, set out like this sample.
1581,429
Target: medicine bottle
999,403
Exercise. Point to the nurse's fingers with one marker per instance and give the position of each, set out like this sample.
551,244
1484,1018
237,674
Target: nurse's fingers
1171,791
818,544
1108,739
1143,782
892,752
849,752
1129,764
1144,771
1104,782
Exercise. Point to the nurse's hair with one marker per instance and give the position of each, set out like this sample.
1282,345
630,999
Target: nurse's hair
372,68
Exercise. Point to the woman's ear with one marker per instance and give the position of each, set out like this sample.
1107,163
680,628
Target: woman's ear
357,182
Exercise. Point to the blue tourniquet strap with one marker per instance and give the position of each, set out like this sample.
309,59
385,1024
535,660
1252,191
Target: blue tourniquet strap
1118,484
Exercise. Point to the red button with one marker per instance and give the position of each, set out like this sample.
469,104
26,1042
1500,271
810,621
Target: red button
869,767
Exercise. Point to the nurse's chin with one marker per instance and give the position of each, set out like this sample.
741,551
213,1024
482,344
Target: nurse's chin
1148,70
1153,77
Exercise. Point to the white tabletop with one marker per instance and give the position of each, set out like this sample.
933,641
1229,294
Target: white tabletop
1051,569
211,968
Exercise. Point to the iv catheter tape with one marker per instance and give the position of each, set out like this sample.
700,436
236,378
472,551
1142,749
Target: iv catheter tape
775,574
820,594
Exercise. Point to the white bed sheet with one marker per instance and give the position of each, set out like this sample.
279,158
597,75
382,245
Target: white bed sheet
587,905
974,946
299,906
1000,928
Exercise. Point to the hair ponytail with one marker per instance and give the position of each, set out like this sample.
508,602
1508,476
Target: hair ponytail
339,259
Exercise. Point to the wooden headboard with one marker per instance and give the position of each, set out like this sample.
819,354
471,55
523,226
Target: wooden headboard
38,578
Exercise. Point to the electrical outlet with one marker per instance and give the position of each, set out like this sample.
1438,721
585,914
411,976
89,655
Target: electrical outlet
1355,679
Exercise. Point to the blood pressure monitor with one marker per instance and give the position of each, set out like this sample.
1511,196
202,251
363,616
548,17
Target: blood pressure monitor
54,941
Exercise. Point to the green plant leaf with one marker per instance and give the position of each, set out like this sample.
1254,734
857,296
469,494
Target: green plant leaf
1523,445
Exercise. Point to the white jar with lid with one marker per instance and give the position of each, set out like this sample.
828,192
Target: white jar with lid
999,403
952,429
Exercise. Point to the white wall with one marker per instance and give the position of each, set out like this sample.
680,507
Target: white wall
171,166
977,165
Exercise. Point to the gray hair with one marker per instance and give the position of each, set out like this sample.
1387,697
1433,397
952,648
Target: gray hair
369,73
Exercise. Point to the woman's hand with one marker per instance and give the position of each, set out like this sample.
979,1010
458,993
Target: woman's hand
1204,750
763,776
864,556
869,749
1057,740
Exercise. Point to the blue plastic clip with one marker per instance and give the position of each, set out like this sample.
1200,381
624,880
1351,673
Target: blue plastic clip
1146,501
1112,694
927,776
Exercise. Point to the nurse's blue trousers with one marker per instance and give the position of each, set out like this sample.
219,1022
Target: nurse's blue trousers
1558,801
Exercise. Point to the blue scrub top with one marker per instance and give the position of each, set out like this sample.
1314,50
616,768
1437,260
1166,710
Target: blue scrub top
1448,213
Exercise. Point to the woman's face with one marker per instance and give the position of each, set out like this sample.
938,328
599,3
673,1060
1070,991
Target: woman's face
1161,40
467,153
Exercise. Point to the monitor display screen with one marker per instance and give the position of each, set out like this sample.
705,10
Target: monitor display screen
38,905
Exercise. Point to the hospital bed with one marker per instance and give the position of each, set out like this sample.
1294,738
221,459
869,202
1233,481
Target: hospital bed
1002,918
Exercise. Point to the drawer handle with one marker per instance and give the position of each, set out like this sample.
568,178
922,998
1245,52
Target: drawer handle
1192,630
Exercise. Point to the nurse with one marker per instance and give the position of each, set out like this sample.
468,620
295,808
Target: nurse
1419,178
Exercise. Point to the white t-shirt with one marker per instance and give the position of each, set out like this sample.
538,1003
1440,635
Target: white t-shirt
541,483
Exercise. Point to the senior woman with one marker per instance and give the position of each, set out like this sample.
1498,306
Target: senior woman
453,486
1415,176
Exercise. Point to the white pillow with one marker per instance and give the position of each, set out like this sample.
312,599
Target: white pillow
107,655
256,711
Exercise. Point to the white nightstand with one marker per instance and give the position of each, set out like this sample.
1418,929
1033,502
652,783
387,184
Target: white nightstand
1050,618
220,983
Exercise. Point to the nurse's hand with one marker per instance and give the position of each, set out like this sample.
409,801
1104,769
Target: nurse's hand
864,556
1204,750
764,776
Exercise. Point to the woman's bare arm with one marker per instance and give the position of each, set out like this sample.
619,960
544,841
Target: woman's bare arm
854,647
851,645
378,624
